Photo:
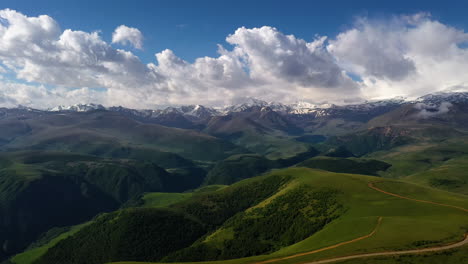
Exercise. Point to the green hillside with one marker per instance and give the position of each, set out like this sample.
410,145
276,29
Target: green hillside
104,133
40,190
244,166
389,137
114,236
36,250
332,208
239,167
204,212
160,200
440,165
157,200
248,187
451,175
262,132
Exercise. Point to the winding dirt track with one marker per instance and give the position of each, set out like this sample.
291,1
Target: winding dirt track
376,254
395,253
371,185
326,248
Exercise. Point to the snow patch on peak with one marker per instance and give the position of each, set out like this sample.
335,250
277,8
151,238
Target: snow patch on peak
440,97
77,108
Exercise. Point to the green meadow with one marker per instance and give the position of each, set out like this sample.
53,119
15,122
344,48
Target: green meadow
405,224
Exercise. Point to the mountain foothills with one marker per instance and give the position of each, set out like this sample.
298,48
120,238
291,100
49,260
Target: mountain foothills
257,182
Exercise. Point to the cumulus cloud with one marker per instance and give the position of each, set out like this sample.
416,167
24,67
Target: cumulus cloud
271,54
36,50
128,36
407,55
38,96
263,63
372,50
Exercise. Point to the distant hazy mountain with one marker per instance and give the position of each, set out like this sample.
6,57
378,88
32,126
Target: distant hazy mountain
199,112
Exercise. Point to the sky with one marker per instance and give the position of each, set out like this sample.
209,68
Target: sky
144,54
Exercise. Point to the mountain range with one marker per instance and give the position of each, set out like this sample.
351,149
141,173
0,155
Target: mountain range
95,184
191,115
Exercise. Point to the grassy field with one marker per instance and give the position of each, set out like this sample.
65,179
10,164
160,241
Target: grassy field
456,256
210,188
405,224
272,146
451,176
441,166
161,200
164,199
40,190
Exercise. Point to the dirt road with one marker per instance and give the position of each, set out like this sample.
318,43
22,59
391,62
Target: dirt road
371,185
326,248
376,254
394,253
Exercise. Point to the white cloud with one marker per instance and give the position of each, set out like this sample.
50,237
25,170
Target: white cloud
38,96
264,63
407,55
272,55
38,51
128,35
371,50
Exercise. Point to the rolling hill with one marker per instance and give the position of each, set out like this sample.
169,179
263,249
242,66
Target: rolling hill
104,132
41,190
260,130
253,183
334,208
244,166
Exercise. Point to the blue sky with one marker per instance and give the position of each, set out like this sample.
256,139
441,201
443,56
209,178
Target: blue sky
193,28
68,52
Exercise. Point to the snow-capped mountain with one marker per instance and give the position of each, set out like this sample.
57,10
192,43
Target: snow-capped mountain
303,108
245,105
438,98
255,104
200,112
78,108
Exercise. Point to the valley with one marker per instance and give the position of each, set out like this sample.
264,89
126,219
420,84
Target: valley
256,182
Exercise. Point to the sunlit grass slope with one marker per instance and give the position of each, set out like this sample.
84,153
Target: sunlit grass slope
441,165
405,224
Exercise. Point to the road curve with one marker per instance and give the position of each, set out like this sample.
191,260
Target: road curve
402,252
395,253
376,254
325,248
371,185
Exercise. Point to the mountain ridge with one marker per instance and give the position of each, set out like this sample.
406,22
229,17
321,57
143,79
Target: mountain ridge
298,108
